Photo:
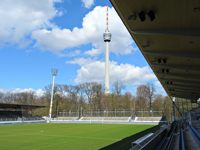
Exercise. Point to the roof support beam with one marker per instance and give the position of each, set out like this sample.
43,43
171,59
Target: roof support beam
171,32
181,95
176,88
176,54
188,96
181,81
184,91
178,67
175,77
184,85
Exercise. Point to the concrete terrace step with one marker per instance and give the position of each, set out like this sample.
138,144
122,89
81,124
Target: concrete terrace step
148,118
106,118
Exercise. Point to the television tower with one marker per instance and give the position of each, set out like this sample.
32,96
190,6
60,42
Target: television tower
107,38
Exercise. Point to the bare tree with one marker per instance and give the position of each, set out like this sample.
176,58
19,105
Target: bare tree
118,86
146,92
23,97
87,88
97,94
167,108
73,94
142,97
93,92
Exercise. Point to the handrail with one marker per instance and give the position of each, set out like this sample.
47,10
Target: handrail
154,137
181,140
169,142
142,139
196,133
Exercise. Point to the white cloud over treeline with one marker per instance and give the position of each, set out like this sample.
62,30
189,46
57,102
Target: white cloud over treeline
36,92
91,32
93,70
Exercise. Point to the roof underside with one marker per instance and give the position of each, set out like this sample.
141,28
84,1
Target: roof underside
170,41
18,106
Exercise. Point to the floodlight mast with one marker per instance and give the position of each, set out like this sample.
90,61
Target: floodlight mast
54,72
174,109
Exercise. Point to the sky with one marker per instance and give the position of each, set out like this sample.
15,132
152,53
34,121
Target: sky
37,35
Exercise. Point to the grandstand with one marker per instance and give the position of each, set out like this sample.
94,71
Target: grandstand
66,118
156,119
167,33
126,117
106,118
194,117
18,113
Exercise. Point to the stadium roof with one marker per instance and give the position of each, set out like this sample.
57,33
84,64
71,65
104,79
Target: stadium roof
168,35
19,106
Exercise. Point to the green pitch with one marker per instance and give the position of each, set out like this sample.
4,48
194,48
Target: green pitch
64,136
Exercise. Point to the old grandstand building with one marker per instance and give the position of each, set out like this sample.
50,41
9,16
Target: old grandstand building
17,112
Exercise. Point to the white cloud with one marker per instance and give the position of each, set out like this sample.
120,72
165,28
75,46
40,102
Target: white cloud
131,76
93,52
32,20
80,61
37,92
3,91
87,3
91,32
19,18
93,70
72,53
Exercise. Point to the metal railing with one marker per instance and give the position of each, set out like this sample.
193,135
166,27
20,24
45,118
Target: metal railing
111,113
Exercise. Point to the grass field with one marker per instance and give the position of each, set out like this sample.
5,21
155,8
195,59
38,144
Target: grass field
64,136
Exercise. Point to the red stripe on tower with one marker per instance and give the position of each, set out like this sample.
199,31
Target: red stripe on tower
107,19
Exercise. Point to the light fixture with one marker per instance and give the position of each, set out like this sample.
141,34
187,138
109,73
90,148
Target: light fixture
142,16
151,15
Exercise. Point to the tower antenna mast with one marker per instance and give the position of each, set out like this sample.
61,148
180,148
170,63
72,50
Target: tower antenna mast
107,19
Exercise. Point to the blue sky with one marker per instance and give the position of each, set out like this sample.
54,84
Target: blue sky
66,34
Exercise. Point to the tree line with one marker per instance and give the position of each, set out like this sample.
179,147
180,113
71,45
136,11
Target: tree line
90,97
